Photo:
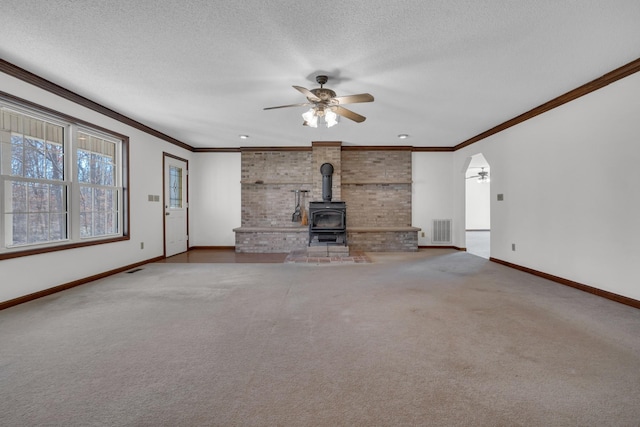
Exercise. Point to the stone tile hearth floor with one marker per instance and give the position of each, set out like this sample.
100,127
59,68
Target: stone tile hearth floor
301,256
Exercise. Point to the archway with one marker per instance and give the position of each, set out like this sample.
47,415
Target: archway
478,206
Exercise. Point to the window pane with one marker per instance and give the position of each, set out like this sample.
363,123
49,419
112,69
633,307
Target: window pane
95,169
36,147
18,228
109,174
175,190
54,162
35,212
38,227
86,199
34,158
86,224
18,191
38,197
99,223
58,226
111,226
99,214
98,206
57,199
84,166
96,160
17,155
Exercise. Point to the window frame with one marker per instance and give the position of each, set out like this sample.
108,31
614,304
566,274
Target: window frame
72,126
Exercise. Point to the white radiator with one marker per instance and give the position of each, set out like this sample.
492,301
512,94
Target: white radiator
441,231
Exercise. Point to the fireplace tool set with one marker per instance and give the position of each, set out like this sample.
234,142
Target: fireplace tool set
299,214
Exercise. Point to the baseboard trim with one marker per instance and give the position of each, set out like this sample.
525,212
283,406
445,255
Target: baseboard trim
219,248
65,286
442,247
581,286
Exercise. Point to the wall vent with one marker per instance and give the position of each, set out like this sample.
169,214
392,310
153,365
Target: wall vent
441,231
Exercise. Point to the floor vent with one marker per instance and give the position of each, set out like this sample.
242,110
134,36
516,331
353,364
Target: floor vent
441,231
134,271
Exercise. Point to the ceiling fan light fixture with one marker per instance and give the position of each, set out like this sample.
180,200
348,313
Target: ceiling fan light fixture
310,118
327,108
483,177
331,118
324,116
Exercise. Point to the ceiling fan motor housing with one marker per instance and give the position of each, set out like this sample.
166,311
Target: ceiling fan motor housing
325,95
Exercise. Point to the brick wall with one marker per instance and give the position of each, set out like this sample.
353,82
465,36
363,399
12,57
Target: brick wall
377,188
376,166
383,241
377,205
268,181
327,152
375,184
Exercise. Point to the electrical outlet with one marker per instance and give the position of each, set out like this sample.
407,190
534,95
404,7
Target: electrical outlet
513,246
423,234
141,245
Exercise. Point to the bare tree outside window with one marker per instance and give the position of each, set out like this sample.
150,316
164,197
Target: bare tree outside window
35,206
41,201
98,197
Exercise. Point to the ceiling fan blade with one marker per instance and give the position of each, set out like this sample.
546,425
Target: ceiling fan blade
341,111
475,176
352,99
285,106
307,93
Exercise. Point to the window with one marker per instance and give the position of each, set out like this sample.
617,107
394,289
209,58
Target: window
175,190
62,181
98,194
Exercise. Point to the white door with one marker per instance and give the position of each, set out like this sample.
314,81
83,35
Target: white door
175,206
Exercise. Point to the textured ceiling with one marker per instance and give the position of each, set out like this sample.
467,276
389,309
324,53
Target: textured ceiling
202,71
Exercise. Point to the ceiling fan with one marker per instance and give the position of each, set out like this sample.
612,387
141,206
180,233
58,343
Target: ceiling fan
326,105
483,176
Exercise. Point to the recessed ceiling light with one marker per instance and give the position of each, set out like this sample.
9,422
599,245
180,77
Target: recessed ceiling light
244,136
403,136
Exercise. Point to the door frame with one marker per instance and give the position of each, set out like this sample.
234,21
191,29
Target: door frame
165,201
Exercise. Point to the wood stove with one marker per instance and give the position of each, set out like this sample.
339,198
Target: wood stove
327,219
327,223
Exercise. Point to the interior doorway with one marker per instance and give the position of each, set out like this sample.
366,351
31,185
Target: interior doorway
478,206
176,234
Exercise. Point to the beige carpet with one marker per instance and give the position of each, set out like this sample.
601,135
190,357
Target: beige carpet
435,338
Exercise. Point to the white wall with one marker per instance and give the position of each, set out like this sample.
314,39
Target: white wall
215,206
26,275
569,179
432,191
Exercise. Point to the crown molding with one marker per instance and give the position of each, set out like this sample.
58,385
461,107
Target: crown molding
254,149
37,81
377,148
606,79
602,81
217,150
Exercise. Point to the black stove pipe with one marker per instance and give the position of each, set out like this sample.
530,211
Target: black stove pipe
327,181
